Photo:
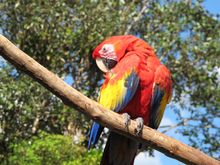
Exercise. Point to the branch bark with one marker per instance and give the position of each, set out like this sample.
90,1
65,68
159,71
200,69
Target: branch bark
112,120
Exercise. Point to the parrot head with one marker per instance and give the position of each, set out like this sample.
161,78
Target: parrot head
108,53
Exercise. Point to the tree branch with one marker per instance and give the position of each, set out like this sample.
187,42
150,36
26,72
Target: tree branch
170,127
145,4
110,119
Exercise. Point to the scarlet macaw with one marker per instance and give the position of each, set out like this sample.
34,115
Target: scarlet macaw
136,85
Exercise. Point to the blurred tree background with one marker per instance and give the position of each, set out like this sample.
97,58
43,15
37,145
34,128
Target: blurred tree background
61,35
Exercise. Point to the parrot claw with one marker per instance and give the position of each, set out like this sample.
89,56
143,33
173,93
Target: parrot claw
127,119
140,125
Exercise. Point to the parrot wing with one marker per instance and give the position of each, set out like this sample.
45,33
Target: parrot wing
162,91
116,92
121,86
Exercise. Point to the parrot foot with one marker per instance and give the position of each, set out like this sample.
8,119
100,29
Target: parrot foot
127,119
140,125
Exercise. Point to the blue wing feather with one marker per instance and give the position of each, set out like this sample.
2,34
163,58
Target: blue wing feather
131,83
158,95
95,134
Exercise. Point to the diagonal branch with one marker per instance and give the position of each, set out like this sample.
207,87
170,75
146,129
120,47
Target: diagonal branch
136,19
112,120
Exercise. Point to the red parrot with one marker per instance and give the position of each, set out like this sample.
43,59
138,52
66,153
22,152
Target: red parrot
136,85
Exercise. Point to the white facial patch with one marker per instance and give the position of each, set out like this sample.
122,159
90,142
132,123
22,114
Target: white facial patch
108,51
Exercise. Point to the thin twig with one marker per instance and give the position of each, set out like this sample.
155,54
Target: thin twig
136,19
170,127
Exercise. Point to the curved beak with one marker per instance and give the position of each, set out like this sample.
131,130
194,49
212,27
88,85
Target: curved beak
105,64
101,65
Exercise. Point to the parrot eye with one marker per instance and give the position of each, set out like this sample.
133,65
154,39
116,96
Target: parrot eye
104,49
109,63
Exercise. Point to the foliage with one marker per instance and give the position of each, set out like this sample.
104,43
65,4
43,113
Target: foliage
51,149
18,114
61,36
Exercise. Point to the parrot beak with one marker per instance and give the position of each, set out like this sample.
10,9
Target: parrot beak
105,64
101,65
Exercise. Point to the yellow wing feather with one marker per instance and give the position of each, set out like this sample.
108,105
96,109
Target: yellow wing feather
112,95
117,92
